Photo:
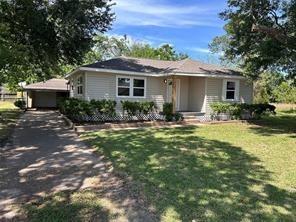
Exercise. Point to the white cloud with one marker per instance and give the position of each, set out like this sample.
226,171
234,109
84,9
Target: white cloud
204,50
162,14
201,50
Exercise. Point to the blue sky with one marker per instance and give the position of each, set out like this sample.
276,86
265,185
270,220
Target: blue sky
189,25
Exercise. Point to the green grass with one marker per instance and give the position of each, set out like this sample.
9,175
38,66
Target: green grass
229,172
8,117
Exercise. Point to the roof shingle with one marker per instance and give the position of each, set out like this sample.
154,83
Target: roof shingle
160,66
51,84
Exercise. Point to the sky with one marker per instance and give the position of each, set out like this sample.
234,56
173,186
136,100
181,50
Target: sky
188,25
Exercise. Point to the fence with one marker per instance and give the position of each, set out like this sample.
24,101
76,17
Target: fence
10,97
103,118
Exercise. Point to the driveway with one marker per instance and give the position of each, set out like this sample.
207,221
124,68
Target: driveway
44,157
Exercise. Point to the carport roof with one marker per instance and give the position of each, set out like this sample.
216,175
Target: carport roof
51,84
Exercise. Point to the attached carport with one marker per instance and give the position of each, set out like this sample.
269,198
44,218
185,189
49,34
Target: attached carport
46,94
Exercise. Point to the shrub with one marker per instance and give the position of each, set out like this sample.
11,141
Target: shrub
168,111
133,108
104,106
219,107
73,106
178,117
147,107
20,104
169,115
236,110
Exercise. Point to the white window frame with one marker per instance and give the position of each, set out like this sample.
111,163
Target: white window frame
131,87
236,90
79,85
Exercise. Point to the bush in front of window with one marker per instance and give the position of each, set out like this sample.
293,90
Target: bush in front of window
134,108
241,111
147,107
104,106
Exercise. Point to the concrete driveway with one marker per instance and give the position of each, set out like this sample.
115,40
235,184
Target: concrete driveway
44,157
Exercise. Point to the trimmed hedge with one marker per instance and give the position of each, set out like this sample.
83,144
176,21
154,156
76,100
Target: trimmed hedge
133,108
76,107
237,111
73,106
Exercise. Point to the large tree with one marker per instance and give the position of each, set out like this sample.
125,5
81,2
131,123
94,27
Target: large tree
107,47
38,36
260,36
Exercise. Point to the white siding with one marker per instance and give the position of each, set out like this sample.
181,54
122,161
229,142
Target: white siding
184,86
215,90
246,92
73,81
196,94
103,86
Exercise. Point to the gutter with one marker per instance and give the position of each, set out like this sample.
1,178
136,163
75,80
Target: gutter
101,70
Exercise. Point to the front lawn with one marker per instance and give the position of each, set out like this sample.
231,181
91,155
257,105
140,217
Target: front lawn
229,172
8,117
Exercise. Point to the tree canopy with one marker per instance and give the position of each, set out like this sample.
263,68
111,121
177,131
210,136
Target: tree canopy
107,47
37,37
260,36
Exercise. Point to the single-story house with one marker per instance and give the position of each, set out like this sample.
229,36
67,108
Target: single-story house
46,94
191,85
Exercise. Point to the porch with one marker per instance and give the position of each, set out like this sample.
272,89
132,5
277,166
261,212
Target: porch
187,93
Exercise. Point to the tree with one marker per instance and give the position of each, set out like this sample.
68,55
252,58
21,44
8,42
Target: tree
285,93
107,47
260,36
265,86
37,37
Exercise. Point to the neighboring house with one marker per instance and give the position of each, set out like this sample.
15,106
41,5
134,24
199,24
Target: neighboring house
190,84
46,94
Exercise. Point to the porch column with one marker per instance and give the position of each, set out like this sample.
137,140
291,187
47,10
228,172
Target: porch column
174,94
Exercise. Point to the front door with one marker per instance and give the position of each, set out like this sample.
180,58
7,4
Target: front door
170,90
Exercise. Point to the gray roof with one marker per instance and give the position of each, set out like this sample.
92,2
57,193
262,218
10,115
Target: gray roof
160,66
51,84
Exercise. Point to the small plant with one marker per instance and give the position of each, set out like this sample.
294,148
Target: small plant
132,108
147,107
168,111
20,104
178,117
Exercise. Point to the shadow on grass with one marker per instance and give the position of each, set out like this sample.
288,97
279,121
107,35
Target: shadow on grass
68,206
279,124
8,118
186,177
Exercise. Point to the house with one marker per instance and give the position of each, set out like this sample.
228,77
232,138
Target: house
46,94
191,85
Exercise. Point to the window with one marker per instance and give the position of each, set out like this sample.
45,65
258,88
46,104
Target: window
80,85
231,90
124,85
131,87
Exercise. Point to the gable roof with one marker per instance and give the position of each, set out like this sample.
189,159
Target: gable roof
51,84
186,66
